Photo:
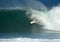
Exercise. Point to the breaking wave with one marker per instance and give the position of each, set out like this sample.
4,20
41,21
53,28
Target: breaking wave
30,14
28,21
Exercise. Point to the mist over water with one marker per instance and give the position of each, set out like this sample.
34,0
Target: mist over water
55,15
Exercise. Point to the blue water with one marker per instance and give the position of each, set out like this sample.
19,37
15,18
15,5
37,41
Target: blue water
33,36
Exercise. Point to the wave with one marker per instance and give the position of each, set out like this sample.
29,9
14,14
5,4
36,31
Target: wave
19,21
28,20
15,21
28,16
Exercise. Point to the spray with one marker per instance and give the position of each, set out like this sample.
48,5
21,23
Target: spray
45,20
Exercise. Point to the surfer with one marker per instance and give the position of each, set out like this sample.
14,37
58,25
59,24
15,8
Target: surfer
32,21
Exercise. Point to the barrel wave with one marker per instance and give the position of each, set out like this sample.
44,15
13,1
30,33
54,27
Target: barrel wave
13,17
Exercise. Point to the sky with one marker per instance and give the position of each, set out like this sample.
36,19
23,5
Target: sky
50,3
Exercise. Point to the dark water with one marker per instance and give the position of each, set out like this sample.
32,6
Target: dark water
14,21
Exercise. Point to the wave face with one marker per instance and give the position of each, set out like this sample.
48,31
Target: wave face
14,21
19,21
13,17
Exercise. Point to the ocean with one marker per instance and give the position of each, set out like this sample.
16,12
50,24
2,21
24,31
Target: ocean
29,21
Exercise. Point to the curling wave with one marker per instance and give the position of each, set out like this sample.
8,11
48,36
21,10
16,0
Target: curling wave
27,15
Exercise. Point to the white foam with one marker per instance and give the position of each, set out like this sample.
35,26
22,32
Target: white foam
29,40
49,19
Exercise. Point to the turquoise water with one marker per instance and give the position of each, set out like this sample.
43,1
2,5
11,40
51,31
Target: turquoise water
14,21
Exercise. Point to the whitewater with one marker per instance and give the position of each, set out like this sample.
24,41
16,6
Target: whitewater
48,20
45,23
